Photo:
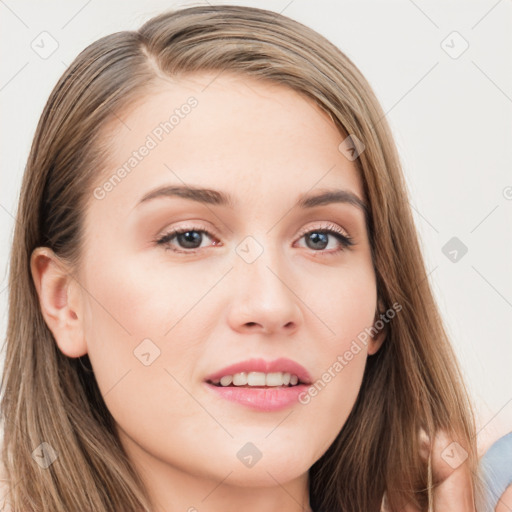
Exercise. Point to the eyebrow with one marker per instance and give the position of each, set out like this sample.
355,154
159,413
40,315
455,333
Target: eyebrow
218,198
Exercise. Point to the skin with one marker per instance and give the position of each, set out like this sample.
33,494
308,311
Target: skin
505,503
265,145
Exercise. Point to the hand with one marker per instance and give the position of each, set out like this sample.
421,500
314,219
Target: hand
453,491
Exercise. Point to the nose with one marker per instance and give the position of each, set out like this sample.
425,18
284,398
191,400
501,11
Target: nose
264,301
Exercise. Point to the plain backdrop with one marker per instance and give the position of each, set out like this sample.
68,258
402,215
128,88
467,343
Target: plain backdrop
443,74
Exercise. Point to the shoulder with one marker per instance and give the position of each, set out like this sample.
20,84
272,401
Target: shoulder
496,469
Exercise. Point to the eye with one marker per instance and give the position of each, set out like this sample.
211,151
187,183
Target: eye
318,239
189,239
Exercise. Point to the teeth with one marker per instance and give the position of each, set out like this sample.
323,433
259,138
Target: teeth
256,379
226,380
240,379
260,379
273,379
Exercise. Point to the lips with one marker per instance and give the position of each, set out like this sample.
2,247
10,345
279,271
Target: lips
282,364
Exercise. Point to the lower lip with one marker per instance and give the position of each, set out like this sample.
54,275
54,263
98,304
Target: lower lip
261,399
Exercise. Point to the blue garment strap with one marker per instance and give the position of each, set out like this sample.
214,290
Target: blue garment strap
496,467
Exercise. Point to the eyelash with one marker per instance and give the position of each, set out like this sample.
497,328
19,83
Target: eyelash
345,240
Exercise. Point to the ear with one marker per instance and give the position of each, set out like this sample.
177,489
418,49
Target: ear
378,339
60,299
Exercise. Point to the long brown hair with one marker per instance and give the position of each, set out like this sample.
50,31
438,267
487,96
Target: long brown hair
413,382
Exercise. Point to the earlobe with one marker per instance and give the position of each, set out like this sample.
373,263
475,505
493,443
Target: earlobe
378,339
60,301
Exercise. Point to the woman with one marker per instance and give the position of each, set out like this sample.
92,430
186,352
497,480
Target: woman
217,295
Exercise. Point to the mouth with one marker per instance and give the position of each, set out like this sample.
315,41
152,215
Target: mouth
260,398
259,380
282,372
261,385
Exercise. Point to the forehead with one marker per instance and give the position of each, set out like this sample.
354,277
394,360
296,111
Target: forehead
245,136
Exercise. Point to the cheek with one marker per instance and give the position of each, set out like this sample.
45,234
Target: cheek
138,367
352,320
132,299
133,319
345,302
346,306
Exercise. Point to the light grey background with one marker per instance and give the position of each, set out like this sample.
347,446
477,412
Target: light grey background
450,114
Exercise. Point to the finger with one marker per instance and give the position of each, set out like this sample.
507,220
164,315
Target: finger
454,492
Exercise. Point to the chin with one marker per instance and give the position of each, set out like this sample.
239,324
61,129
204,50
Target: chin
267,474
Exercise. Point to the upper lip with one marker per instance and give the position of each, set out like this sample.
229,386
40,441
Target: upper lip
282,364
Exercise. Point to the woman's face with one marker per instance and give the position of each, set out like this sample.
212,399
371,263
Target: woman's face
253,279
